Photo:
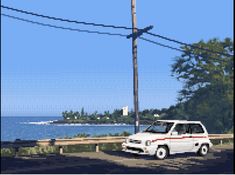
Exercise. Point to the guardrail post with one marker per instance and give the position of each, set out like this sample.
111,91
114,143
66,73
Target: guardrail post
97,147
61,149
16,151
17,147
221,142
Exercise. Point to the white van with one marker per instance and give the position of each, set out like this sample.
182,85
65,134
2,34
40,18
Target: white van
166,137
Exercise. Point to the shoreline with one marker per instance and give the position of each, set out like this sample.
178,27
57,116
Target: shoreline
63,123
71,122
85,123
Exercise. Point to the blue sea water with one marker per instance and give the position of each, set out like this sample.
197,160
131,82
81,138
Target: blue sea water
36,128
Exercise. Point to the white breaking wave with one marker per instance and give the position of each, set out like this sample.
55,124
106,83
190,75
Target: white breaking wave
50,122
39,123
94,125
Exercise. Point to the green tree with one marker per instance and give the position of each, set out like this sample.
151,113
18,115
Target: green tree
82,112
70,115
207,94
65,114
106,113
76,115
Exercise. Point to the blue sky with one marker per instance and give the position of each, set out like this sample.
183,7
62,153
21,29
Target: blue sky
46,71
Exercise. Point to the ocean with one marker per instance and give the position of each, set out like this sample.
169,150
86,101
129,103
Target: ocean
36,128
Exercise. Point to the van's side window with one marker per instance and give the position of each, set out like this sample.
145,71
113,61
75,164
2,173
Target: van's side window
196,129
181,128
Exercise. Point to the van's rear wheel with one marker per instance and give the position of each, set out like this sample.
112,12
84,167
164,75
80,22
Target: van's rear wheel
204,149
162,152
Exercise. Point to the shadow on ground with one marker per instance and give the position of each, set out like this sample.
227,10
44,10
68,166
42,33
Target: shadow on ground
65,165
217,162
146,157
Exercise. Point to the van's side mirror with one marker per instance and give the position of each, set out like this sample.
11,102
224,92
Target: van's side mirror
174,133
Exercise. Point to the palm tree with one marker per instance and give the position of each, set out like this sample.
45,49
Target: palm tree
65,114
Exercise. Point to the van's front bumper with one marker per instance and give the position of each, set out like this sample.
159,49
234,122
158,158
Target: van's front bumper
138,149
210,144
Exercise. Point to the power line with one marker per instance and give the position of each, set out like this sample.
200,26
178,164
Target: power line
64,28
65,20
160,44
97,32
112,26
186,44
87,31
177,49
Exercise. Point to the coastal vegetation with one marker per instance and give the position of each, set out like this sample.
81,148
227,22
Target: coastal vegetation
116,117
45,150
207,93
81,135
208,79
52,150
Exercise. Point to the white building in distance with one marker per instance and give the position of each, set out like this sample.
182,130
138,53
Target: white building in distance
125,111
156,115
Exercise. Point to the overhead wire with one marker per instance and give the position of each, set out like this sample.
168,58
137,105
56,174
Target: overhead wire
65,20
189,53
101,33
111,26
96,32
160,44
87,31
64,28
186,44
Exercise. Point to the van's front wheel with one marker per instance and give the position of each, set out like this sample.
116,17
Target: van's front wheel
162,152
204,149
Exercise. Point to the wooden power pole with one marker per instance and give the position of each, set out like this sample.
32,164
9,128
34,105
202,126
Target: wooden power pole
135,66
135,33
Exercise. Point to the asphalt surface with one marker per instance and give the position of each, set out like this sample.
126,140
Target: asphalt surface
218,161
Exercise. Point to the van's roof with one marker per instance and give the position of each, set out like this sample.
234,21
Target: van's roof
180,121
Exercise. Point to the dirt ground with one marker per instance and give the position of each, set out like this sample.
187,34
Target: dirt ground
219,160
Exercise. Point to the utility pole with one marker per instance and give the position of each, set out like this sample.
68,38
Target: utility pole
135,66
134,35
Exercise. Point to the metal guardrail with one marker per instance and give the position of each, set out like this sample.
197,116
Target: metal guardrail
220,136
61,142
84,141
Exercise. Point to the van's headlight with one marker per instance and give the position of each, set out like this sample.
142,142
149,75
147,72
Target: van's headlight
148,143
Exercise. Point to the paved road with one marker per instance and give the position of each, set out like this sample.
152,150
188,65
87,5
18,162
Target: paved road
120,162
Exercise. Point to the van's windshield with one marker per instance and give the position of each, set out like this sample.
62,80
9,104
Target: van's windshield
159,127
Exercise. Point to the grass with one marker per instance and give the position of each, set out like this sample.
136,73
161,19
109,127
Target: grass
39,150
9,152
225,141
81,135
44,150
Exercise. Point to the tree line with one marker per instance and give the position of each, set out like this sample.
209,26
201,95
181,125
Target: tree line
208,81
147,116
